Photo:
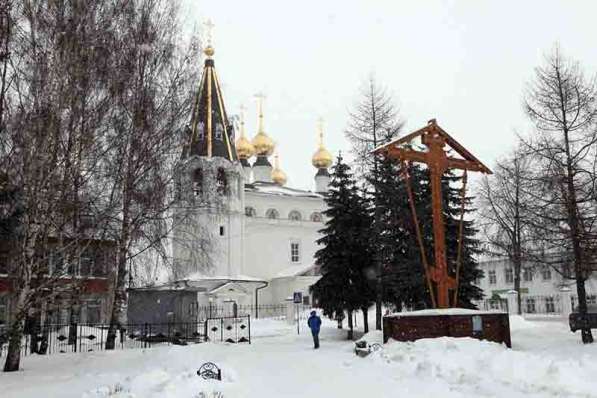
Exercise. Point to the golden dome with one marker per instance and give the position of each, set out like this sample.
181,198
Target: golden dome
209,51
322,158
244,148
278,176
262,143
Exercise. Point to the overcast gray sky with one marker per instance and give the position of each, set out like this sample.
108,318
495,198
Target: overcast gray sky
464,63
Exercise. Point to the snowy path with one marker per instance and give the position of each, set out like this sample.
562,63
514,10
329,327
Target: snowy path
547,361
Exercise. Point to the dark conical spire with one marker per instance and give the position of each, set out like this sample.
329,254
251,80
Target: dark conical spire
211,133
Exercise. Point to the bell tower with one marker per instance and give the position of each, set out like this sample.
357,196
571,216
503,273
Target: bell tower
209,186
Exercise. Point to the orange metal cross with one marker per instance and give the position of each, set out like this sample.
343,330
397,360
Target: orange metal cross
437,160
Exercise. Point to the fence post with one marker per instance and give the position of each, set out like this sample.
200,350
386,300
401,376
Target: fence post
565,293
512,299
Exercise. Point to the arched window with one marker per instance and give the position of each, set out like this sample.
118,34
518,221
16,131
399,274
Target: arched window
272,214
197,182
250,211
316,217
295,216
221,181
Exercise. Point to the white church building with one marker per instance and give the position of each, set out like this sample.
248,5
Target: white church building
240,235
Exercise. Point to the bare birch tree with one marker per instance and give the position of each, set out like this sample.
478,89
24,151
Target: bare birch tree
153,90
504,202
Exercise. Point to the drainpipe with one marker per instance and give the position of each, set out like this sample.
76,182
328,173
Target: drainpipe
266,284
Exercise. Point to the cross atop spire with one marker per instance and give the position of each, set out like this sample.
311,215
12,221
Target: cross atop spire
209,50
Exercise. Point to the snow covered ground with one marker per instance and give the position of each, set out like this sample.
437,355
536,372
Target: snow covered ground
546,361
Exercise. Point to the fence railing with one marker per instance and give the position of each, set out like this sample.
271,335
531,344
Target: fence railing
78,337
262,311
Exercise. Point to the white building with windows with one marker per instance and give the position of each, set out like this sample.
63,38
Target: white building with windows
241,236
542,288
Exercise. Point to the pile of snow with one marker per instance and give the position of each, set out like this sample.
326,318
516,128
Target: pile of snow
372,337
517,322
481,368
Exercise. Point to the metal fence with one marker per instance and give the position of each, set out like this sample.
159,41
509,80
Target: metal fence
77,337
262,311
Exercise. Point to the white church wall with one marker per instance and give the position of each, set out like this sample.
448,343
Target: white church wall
267,242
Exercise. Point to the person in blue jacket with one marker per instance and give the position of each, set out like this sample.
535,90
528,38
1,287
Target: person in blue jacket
314,323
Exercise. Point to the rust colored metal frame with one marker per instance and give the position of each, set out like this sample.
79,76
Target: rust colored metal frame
440,282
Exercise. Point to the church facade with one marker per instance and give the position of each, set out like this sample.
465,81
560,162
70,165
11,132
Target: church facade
240,234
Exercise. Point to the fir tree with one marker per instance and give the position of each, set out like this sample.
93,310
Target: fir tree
404,282
345,258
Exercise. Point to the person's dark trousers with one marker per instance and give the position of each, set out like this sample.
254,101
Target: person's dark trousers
315,339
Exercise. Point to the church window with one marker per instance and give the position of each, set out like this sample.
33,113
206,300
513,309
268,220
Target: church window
250,211
295,255
200,130
219,131
509,275
546,273
221,230
222,183
197,182
294,216
272,214
527,274
316,217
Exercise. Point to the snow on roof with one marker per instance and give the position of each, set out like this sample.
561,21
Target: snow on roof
270,188
445,311
295,270
197,276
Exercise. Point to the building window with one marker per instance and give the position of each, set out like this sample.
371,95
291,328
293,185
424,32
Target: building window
492,277
3,311
57,266
86,263
295,255
222,183
294,216
316,217
546,274
531,309
272,214
550,305
3,264
509,275
527,275
250,212
93,311
221,230
306,300
197,182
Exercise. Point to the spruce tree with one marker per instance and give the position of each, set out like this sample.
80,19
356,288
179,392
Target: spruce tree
345,258
404,282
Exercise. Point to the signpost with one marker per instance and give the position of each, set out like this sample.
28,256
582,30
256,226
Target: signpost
297,298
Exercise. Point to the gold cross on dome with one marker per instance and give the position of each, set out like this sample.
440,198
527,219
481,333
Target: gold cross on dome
320,130
209,25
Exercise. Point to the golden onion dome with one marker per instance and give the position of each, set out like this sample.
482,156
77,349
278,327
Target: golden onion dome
322,158
244,148
278,176
263,144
